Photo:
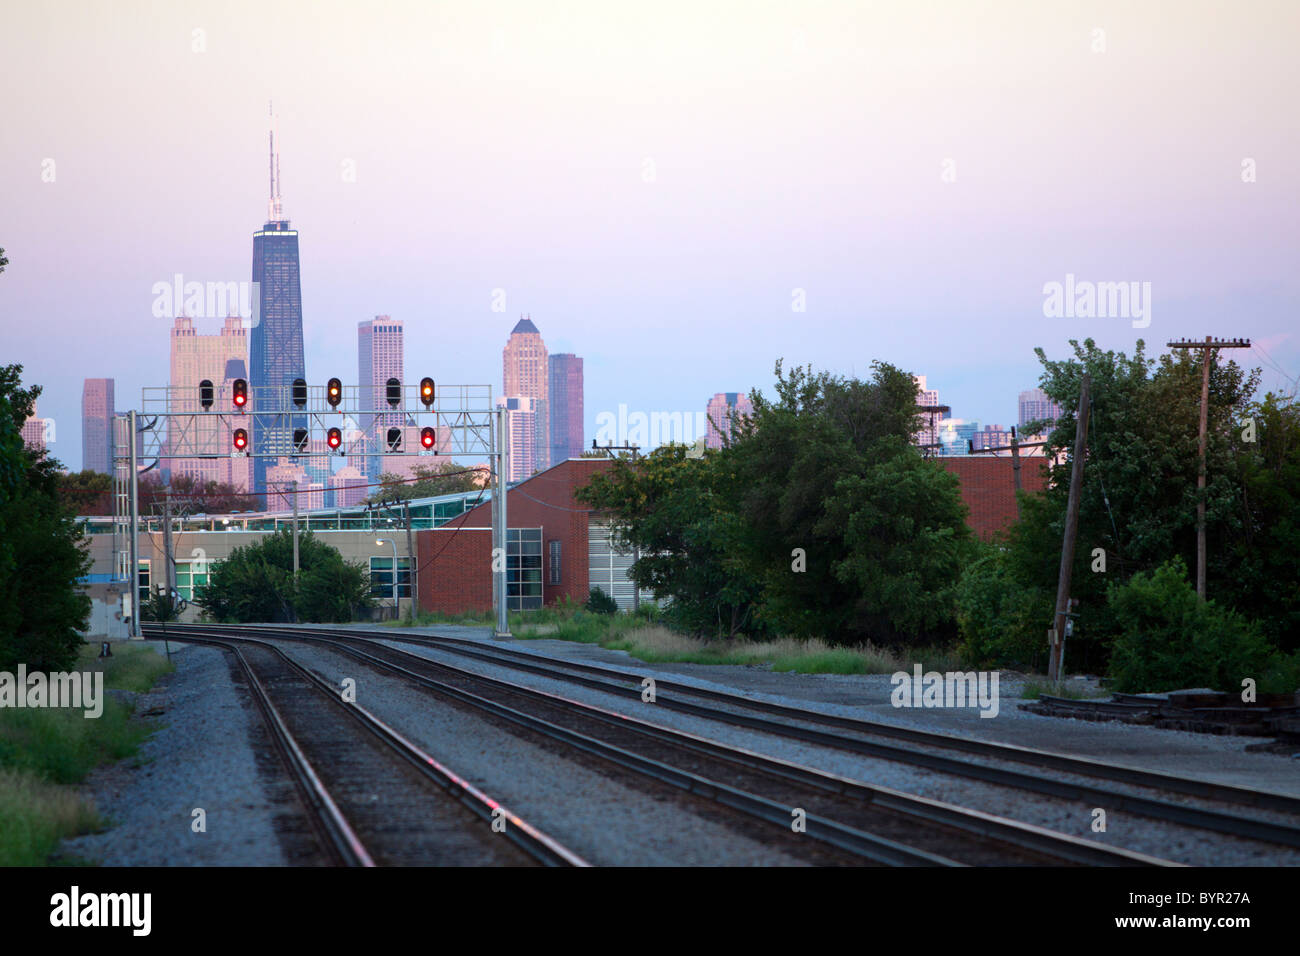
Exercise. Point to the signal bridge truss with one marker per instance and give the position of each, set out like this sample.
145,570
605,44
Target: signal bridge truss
173,424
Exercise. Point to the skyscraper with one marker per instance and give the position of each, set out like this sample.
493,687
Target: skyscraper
1036,406
276,346
379,358
97,409
196,358
722,410
526,375
564,391
927,397
523,436
33,431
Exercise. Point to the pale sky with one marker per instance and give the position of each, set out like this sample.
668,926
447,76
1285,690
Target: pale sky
652,183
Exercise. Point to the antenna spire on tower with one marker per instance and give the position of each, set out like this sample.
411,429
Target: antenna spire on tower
274,211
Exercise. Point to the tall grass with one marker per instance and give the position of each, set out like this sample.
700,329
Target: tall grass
45,751
656,644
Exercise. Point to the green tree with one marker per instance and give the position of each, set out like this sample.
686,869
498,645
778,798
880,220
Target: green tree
817,518
1168,639
255,583
827,467
87,492
672,509
1138,500
43,609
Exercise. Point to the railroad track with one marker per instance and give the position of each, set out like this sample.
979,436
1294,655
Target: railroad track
375,796
864,737
875,823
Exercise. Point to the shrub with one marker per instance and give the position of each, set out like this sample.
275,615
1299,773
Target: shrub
1002,622
1169,639
598,602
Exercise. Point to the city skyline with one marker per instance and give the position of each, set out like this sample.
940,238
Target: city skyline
678,253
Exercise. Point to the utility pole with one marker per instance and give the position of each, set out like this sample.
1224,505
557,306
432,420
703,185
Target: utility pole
1207,348
169,565
414,575
1056,660
295,531
134,575
499,522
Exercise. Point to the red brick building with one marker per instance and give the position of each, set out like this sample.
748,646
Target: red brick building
988,486
573,553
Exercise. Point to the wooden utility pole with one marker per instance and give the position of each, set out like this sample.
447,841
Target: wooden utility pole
1207,348
1056,660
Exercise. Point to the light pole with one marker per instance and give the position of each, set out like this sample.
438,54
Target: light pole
393,542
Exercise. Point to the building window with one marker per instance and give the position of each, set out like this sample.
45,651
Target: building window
190,576
381,577
555,562
142,581
523,569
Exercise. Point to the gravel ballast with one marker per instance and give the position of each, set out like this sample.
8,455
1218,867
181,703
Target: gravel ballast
1195,847
202,756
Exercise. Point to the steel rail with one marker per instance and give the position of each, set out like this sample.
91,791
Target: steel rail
333,830
1209,819
530,839
1063,847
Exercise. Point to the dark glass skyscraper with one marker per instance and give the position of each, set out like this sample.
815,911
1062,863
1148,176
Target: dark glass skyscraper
565,391
275,350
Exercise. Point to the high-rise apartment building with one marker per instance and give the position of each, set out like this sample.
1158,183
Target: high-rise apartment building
526,375
1036,406
196,358
992,436
927,397
33,431
379,358
523,436
564,392
955,434
722,411
276,344
97,410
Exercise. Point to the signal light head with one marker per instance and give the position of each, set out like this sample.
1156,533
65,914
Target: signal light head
427,437
334,438
426,391
394,439
300,440
205,393
241,439
334,392
394,392
239,393
299,393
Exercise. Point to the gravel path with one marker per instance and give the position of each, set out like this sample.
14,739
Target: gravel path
1148,836
602,814
202,756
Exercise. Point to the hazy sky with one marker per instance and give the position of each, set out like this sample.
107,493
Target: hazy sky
652,182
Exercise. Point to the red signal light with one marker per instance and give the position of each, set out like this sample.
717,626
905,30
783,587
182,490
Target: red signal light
241,439
334,438
426,437
239,392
